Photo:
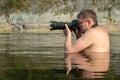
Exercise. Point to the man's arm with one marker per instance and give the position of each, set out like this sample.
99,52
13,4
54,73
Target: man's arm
82,43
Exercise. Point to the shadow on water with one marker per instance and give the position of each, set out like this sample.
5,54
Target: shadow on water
38,56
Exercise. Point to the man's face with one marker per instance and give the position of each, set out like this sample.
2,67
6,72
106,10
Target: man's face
82,24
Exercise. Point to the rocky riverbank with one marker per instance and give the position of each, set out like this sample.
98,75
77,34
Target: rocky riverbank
6,27
62,11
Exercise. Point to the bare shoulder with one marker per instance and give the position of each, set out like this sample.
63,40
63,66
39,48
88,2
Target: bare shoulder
90,32
97,31
101,31
88,35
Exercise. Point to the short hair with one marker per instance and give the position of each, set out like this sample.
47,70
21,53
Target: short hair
87,14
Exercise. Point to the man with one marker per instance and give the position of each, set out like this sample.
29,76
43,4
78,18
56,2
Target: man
91,50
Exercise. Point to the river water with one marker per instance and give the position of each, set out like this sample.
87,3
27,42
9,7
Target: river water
40,56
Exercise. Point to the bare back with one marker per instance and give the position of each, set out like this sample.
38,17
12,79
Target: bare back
99,51
100,41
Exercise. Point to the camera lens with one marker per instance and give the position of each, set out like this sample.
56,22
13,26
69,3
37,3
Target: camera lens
61,25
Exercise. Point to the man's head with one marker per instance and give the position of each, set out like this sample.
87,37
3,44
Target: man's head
86,18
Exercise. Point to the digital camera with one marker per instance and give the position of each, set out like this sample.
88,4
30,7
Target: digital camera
61,25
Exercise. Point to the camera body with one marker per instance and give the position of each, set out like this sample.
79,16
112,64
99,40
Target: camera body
61,25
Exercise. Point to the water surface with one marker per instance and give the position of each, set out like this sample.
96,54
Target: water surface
40,56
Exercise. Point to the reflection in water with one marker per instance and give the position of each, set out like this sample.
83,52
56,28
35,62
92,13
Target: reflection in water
39,56
91,63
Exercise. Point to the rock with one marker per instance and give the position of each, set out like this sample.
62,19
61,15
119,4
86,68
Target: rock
27,18
115,13
3,19
63,13
13,18
18,27
5,27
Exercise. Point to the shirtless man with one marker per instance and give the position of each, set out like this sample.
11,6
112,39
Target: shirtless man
92,41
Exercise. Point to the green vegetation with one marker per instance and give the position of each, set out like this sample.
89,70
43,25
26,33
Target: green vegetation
107,6
56,6
10,6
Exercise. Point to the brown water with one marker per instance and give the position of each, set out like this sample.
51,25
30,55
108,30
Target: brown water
40,56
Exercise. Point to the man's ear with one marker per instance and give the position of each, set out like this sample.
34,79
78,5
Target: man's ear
89,22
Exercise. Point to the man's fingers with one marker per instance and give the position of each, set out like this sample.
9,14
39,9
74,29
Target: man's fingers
68,32
66,26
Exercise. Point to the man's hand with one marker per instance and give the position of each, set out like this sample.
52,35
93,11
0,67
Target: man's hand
76,32
67,31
